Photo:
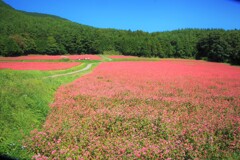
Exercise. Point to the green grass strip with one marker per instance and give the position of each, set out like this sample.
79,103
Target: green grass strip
24,104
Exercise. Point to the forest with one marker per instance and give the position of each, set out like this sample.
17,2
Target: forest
24,33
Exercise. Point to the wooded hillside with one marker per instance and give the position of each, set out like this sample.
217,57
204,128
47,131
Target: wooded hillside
25,33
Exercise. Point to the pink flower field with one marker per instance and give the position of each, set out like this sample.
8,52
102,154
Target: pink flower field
43,66
57,57
145,110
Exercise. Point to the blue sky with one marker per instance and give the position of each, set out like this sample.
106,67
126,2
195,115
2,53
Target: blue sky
146,15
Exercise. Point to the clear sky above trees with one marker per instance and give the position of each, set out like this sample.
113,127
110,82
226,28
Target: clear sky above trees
146,15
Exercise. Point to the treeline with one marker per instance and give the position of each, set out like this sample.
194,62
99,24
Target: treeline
25,33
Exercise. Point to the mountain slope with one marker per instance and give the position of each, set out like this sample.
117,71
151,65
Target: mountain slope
34,33
40,29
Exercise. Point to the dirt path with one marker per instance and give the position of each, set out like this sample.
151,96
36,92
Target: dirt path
106,58
65,74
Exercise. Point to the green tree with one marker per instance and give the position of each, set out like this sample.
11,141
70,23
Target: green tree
12,48
214,47
52,46
234,41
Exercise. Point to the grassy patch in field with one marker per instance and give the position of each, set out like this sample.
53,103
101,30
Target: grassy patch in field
25,97
136,59
127,58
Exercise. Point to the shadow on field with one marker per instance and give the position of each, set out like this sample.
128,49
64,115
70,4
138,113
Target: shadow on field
5,157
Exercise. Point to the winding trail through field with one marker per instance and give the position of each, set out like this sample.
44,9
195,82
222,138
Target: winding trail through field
106,58
70,73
